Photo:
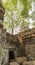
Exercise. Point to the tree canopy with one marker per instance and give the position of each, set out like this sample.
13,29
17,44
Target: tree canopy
16,12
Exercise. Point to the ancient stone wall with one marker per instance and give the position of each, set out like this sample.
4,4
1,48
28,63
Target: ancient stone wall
27,42
3,48
25,45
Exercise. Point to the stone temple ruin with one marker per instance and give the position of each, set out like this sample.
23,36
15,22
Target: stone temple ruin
19,47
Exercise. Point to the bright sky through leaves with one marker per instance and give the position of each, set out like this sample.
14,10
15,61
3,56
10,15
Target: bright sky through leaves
15,16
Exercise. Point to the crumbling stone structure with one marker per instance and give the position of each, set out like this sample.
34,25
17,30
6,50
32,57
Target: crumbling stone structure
16,46
27,40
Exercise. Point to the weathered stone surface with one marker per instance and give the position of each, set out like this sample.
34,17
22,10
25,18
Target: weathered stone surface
29,63
3,55
21,59
27,46
30,51
13,63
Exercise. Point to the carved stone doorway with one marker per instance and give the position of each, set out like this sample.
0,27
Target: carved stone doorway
11,56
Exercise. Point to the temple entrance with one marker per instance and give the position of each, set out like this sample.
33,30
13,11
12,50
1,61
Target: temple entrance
11,56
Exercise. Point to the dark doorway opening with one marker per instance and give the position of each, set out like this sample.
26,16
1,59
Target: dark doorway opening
11,56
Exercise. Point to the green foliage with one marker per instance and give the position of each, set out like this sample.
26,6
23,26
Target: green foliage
15,10
10,4
26,7
26,24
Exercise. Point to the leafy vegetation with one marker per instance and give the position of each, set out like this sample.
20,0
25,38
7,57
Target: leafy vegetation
16,11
